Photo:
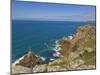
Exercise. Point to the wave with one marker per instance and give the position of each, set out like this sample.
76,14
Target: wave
42,58
67,38
57,46
52,59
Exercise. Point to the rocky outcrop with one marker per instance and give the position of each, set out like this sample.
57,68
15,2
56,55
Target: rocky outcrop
83,39
26,64
20,69
40,68
30,60
78,52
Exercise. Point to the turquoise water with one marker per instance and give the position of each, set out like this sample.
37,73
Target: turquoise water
40,36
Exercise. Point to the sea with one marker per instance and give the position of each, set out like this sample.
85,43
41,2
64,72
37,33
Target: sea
40,36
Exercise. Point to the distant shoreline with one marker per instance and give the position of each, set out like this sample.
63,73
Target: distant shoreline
54,21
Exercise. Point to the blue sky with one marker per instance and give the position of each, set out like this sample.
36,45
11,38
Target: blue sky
51,12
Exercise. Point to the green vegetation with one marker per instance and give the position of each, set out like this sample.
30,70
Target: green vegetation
89,57
90,43
61,42
82,46
64,63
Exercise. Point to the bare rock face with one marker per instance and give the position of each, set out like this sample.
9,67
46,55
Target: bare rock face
84,39
30,60
76,63
20,69
55,68
40,68
78,52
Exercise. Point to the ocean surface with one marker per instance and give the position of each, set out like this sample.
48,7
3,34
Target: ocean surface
40,36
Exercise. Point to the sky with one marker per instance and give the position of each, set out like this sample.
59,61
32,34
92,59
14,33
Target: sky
51,11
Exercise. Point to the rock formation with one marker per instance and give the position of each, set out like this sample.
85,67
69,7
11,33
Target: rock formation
80,51
30,60
26,64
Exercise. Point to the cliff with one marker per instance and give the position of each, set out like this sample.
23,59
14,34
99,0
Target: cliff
76,53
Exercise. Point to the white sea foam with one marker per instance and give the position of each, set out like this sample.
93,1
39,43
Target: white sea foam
52,59
67,38
56,49
70,37
17,61
56,54
57,46
43,58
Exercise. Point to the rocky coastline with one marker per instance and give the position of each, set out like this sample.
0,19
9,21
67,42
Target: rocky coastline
76,53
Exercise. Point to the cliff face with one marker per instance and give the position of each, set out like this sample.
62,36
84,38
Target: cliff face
80,51
82,40
76,53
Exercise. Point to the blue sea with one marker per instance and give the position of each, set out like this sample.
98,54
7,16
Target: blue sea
40,36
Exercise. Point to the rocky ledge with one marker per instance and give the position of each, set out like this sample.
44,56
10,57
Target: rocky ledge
75,54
